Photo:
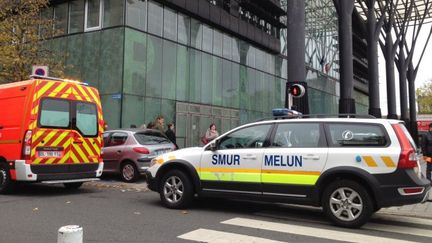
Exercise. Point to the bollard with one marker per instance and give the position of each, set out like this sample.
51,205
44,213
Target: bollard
70,234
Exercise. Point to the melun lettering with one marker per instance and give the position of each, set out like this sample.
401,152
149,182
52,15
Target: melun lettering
226,159
279,160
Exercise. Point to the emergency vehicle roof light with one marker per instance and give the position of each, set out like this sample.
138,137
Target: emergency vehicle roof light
57,79
286,113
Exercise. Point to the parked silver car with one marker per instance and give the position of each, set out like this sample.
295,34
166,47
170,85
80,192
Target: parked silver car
129,151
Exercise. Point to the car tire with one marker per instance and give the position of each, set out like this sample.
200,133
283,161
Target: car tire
176,190
346,203
129,172
73,186
6,184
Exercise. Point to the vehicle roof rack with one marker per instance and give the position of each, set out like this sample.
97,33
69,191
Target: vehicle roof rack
340,115
57,79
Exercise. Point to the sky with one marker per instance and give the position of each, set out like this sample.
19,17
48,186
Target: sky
424,73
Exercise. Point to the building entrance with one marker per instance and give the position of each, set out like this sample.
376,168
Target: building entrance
193,120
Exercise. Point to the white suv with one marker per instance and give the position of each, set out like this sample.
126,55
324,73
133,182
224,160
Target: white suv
351,167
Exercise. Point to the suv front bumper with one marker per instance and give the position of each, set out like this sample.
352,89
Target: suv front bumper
152,183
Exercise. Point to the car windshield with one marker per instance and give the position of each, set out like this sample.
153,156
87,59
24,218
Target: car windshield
150,138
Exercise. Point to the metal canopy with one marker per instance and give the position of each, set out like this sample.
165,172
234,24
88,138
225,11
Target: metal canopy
421,8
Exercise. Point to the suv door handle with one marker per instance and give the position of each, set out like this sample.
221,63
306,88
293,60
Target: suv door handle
249,157
311,156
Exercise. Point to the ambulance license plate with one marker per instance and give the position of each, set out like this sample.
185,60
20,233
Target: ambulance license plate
50,154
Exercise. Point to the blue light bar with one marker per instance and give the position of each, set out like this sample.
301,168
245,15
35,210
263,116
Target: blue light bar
285,112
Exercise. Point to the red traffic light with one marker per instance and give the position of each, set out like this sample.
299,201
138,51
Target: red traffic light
297,90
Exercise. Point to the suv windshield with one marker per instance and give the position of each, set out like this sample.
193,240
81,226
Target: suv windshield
150,138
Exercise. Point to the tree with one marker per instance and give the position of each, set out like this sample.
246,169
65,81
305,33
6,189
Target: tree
25,28
424,98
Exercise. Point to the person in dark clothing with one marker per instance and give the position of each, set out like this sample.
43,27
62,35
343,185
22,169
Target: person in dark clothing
170,133
427,151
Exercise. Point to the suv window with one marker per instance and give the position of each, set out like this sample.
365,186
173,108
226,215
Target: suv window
249,137
54,113
86,119
297,135
150,138
356,135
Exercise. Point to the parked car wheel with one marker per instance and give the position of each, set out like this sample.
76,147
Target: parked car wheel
129,172
6,184
176,190
73,186
347,203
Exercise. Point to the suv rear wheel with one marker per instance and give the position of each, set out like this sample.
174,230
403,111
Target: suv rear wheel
176,189
347,203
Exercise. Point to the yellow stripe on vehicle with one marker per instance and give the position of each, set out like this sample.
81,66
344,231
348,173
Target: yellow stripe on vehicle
81,154
297,179
73,158
291,172
89,151
44,89
388,161
58,89
370,161
84,93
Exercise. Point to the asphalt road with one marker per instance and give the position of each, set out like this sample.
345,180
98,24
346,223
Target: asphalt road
111,211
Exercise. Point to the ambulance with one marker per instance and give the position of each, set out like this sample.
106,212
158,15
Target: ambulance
351,167
50,132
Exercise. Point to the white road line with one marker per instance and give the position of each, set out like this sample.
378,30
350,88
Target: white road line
399,229
213,236
309,231
403,219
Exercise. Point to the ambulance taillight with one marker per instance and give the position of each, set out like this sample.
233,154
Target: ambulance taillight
26,151
408,156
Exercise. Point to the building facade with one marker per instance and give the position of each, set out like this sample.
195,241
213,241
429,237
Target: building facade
196,62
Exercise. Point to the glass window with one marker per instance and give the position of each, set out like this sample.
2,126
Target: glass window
90,57
235,50
251,57
169,64
234,93
296,135
195,76
154,67
207,39
111,60
183,27
86,119
182,89
150,138
249,137
155,18
135,63
93,14
226,84
133,110
117,139
217,81
356,135
136,14
207,79
217,43
196,34
227,47
170,24
61,17
54,113
76,16
251,89
113,13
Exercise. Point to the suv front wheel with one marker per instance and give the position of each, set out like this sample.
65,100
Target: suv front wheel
347,203
176,189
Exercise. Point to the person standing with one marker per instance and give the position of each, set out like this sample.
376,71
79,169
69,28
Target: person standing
211,133
170,133
427,151
160,124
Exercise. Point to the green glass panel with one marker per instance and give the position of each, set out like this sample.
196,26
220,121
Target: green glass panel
155,18
111,61
227,88
251,89
154,66
227,47
217,81
183,28
76,16
133,110
244,88
136,14
113,13
170,24
207,79
195,76
182,89
61,18
168,111
235,88
152,109
207,39
196,34
169,70
74,56
91,53
135,62
111,110
217,43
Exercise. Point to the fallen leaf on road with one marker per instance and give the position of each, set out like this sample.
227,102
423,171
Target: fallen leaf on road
123,190
35,209
68,202
137,213
184,212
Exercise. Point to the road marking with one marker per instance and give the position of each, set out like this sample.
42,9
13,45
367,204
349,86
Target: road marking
309,231
399,229
403,219
213,236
